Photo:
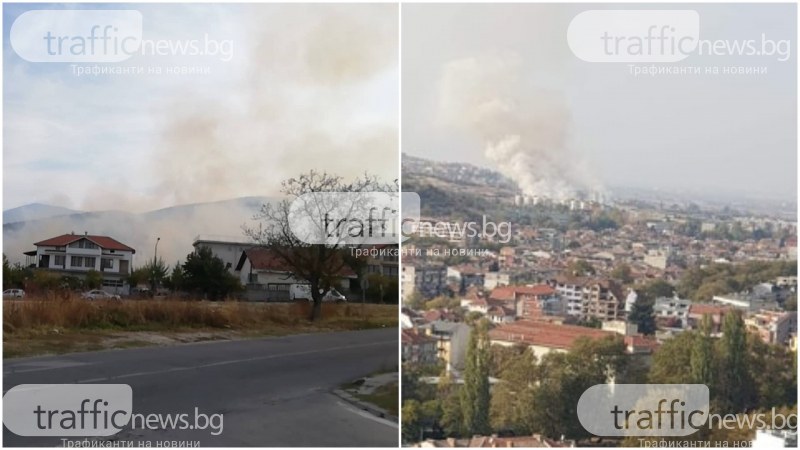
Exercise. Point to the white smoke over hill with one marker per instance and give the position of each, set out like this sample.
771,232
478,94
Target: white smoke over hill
303,92
524,128
177,227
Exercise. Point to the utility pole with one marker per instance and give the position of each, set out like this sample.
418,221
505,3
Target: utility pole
153,268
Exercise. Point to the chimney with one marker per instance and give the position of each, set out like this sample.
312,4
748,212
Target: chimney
85,233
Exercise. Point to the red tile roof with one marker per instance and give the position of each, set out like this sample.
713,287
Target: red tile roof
104,242
702,309
641,344
507,293
412,337
545,334
266,259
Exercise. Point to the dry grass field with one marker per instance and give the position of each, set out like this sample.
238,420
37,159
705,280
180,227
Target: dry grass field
61,324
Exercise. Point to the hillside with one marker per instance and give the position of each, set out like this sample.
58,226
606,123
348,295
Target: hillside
177,227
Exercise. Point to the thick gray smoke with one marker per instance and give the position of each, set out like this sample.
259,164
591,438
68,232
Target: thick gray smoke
524,128
299,95
298,105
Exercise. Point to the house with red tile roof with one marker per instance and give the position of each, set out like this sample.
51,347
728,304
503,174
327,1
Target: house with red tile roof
77,254
714,311
544,337
266,276
529,302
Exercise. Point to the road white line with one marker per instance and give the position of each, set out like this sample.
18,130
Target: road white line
235,361
367,415
12,370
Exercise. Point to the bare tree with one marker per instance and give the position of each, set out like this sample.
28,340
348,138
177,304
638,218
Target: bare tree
317,253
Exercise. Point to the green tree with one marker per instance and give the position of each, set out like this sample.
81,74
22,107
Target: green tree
138,276
206,274
6,272
774,373
512,405
382,288
443,302
452,419
14,275
419,416
735,382
580,268
177,278
93,280
475,393
643,316
702,357
622,273
656,289
414,301
671,360
156,271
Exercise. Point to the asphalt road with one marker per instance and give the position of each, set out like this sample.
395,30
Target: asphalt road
271,391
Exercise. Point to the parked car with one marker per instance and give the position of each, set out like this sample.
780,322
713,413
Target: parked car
298,291
97,294
334,296
13,293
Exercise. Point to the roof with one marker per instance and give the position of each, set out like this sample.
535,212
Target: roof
507,293
104,242
268,260
641,344
702,309
545,334
412,337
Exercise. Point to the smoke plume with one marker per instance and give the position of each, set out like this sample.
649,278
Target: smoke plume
524,128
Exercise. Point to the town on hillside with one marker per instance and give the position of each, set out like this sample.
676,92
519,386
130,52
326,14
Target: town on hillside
643,284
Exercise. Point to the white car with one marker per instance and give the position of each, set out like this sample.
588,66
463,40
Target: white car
334,296
97,294
13,293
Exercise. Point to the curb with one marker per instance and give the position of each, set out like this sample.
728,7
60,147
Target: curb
368,407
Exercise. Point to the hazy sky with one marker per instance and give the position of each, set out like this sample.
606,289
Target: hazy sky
720,133
308,87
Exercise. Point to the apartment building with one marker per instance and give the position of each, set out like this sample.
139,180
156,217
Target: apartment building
591,298
429,280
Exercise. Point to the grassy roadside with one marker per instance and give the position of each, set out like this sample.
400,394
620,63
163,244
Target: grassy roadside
384,397
378,389
63,325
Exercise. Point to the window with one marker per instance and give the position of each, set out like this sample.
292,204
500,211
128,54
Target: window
84,243
89,262
112,283
76,261
106,263
60,259
278,287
